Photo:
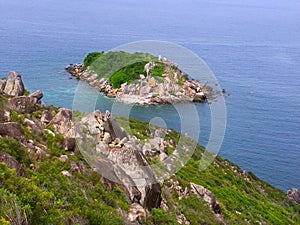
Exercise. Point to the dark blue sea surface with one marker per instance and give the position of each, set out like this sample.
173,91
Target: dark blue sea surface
253,47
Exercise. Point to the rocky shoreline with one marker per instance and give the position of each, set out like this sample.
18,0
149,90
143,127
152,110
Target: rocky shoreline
174,87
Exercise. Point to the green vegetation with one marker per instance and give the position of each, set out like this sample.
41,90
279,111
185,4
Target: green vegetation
91,58
107,64
26,92
180,81
158,70
128,74
45,196
243,196
122,67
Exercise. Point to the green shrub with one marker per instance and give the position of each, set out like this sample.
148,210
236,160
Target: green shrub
158,70
14,148
159,216
90,58
180,82
128,74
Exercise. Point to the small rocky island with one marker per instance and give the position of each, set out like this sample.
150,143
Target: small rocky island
139,78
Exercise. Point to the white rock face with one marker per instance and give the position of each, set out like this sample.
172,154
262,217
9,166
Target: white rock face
14,85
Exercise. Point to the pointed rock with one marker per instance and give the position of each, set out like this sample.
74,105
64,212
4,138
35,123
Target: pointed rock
14,85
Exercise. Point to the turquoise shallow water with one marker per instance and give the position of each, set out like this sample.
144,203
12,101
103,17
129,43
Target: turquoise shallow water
253,48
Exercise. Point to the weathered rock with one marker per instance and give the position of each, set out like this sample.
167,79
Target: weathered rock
2,85
4,115
37,94
106,138
12,163
14,85
70,144
207,196
22,104
123,141
75,167
113,127
102,149
39,153
120,161
63,123
163,205
30,124
294,195
152,82
153,196
145,90
136,212
46,116
182,220
63,158
199,97
162,156
13,130
66,173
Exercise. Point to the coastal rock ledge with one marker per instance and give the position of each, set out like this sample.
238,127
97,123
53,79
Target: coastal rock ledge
171,87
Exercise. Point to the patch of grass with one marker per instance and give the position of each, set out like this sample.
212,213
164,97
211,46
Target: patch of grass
91,58
158,70
128,74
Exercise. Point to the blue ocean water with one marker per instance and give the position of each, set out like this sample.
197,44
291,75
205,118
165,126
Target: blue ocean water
253,47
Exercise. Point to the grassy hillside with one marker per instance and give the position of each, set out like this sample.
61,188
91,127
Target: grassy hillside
45,195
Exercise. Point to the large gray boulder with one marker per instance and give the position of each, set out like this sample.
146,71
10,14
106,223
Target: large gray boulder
13,130
63,123
4,115
206,195
22,104
46,116
38,95
12,163
294,195
117,157
14,85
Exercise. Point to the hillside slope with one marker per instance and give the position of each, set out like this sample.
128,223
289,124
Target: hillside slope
44,178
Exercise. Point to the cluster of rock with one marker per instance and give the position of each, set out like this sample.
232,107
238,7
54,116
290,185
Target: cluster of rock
13,86
171,88
201,192
117,156
294,195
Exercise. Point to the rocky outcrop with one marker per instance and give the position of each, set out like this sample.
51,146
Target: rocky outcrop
38,95
4,115
62,123
12,130
207,196
2,86
12,163
46,116
70,144
294,195
136,212
172,87
182,220
14,85
117,156
22,104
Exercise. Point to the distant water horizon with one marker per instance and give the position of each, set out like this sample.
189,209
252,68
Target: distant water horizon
253,48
